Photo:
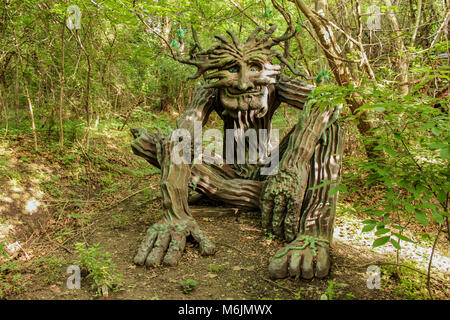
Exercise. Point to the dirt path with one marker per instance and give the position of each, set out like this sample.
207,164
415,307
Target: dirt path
237,271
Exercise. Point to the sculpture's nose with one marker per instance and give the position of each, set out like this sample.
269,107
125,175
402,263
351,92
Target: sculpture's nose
244,83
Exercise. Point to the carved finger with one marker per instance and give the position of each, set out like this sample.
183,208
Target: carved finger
146,246
294,264
308,265
323,262
279,213
159,248
278,266
206,246
177,244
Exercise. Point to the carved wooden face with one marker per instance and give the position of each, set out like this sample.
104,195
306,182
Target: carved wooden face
242,72
244,86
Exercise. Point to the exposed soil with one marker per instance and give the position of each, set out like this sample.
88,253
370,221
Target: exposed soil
118,220
240,264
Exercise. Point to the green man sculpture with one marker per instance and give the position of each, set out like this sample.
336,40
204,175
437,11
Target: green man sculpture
245,88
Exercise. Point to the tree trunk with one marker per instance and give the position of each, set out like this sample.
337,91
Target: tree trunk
27,93
5,111
61,92
88,90
16,95
340,69
30,108
402,62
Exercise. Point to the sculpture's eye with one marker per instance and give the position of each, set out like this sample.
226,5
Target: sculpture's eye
254,68
233,69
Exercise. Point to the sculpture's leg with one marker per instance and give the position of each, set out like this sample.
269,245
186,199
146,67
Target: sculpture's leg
308,254
217,182
240,193
165,241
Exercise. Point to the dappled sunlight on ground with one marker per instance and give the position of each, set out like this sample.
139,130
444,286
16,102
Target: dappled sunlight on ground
348,230
22,209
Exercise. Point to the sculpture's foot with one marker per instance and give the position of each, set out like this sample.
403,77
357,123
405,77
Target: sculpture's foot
304,257
164,243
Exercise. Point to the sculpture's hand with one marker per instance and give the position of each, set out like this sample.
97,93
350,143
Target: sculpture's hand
281,203
304,257
165,241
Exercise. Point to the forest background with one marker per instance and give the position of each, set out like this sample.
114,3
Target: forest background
69,94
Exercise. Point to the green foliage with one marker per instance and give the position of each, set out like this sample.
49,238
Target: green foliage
3,252
216,269
119,220
50,268
411,139
99,266
404,281
333,290
127,61
11,274
188,285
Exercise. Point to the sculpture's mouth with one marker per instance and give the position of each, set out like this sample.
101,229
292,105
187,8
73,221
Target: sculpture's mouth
254,100
233,92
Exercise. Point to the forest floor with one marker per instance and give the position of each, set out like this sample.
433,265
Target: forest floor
50,201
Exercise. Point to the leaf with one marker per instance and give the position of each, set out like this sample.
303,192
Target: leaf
336,189
175,44
441,196
397,136
396,244
437,217
421,217
444,153
368,228
402,237
323,184
380,241
436,131
378,213
322,75
299,25
409,208
437,145
181,33
382,231
390,151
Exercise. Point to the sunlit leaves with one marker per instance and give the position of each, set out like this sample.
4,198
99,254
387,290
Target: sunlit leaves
381,241
412,139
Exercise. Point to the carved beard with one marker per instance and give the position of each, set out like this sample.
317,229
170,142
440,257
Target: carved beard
255,102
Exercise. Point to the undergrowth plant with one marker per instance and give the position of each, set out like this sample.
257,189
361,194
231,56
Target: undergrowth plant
188,285
409,165
100,267
10,274
404,281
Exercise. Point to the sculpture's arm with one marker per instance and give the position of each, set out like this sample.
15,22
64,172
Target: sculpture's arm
281,209
292,91
175,177
304,219
198,110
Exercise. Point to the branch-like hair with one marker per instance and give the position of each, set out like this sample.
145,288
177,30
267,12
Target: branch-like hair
224,53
